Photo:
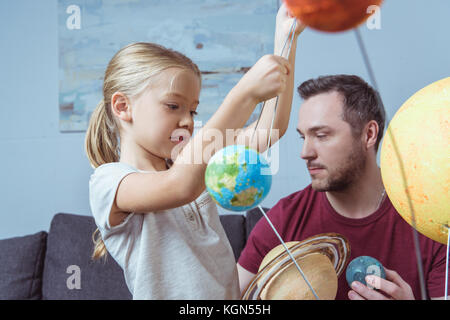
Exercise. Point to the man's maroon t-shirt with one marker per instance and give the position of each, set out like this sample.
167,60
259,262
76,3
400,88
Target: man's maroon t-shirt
383,235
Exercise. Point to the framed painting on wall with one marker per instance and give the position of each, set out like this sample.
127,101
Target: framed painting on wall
223,37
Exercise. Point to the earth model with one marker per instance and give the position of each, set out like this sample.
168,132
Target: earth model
238,178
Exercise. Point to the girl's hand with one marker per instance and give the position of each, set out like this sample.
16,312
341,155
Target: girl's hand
266,79
284,23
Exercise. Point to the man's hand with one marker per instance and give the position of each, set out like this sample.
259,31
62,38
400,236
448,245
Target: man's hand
393,288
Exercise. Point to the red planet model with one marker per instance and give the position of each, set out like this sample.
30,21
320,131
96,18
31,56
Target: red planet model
332,15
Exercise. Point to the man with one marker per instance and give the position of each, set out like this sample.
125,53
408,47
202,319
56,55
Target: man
341,122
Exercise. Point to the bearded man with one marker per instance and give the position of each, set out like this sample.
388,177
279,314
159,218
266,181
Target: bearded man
341,122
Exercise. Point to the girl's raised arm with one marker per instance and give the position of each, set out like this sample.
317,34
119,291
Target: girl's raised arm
284,24
184,181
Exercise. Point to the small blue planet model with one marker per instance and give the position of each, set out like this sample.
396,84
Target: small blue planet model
238,178
362,266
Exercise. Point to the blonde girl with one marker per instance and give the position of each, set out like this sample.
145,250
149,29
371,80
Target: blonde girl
150,206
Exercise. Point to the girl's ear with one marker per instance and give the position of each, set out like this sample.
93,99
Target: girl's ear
120,106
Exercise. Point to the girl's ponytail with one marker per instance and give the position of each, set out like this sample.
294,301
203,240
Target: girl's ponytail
99,246
101,137
101,147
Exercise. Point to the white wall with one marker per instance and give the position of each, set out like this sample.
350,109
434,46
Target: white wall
45,172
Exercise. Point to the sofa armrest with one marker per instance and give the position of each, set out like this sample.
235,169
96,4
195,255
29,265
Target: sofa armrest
21,267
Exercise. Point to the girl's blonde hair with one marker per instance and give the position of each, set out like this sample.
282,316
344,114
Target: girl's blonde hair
130,72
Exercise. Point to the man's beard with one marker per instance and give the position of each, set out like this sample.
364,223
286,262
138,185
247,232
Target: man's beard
343,176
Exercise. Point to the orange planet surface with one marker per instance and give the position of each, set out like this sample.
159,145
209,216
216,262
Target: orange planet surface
331,15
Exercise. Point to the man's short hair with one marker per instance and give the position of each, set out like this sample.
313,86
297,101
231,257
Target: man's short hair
361,102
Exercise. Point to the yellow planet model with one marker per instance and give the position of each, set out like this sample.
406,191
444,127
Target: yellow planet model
415,160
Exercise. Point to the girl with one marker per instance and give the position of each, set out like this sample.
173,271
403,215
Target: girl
150,207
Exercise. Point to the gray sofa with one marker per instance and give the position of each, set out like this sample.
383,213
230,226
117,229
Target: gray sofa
41,266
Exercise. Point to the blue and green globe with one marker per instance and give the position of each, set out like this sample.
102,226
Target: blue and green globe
238,178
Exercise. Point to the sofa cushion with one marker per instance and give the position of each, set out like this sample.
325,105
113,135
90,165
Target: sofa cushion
252,217
70,273
21,264
234,225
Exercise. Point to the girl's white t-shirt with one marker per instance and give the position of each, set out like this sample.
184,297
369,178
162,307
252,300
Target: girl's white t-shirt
180,253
